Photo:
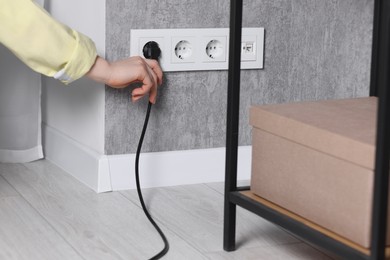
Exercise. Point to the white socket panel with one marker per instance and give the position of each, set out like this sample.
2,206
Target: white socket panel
200,49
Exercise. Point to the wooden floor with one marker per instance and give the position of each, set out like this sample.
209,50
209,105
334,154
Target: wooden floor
47,214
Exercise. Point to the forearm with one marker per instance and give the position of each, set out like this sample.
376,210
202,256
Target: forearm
100,71
42,43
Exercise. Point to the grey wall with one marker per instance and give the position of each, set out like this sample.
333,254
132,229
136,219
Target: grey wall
314,49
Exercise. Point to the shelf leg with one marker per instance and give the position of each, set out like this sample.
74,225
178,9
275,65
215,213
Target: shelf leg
232,123
374,51
381,84
229,234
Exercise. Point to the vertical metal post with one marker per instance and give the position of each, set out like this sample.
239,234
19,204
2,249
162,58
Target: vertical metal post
233,105
381,179
374,52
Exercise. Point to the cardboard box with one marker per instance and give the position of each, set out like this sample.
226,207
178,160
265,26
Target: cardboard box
316,159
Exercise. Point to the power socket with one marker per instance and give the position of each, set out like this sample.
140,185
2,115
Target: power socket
184,50
214,48
199,49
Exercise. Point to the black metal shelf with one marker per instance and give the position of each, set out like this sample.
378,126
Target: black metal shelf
380,75
295,226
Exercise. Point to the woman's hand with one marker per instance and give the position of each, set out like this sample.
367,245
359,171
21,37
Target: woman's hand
120,74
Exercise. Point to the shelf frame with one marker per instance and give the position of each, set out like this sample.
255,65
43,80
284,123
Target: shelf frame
379,86
380,80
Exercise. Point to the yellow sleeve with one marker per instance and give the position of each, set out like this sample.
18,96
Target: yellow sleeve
44,44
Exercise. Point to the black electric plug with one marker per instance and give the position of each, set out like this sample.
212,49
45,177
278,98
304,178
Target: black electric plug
151,50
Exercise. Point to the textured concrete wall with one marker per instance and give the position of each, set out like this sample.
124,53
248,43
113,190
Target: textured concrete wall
314,49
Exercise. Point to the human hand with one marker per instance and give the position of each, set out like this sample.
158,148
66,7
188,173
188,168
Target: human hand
120,74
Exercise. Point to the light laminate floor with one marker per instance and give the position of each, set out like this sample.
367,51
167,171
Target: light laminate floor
46,214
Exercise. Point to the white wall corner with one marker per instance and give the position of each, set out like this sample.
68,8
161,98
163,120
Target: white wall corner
104,178
83,163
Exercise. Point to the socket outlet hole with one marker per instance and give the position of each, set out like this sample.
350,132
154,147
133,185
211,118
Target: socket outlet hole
183,50
214,49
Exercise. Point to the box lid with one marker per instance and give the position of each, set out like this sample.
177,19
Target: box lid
343,128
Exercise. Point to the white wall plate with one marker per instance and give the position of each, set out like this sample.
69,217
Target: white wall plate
199,49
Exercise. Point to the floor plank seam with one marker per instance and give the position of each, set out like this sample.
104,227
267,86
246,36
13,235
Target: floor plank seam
9,196
42,216
211,188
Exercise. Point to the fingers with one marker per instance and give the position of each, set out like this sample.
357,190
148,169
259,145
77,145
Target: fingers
153,95
137,94
153,64
153,90
140,92
150,78
136,69
149,81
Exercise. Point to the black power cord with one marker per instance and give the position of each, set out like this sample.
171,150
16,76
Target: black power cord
151,51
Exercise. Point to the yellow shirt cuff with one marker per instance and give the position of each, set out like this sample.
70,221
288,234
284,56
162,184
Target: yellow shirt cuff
81,61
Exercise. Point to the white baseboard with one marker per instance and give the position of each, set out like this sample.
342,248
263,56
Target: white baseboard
176,167
21,156
83,163
105,173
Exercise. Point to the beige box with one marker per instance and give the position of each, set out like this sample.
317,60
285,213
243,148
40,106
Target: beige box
316,160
